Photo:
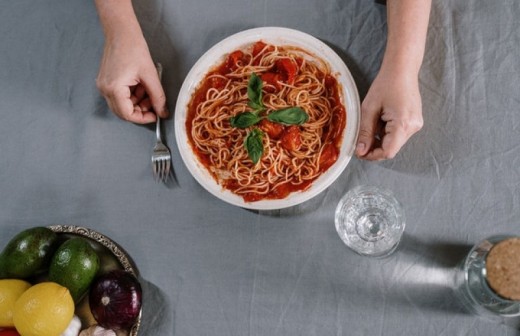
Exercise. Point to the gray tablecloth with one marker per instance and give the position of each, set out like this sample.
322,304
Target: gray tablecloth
210,268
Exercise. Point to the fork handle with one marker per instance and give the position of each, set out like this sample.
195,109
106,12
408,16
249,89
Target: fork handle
159,68
158,129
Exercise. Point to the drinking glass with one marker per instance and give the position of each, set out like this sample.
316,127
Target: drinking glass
370,220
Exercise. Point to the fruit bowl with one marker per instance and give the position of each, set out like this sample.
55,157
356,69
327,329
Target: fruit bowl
112,256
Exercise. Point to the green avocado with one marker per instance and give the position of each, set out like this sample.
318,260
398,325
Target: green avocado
28,253
74,266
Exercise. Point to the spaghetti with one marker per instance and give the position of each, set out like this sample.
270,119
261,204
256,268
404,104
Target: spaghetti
292,156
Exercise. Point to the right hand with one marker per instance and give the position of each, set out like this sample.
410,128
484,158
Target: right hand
129,81
390,114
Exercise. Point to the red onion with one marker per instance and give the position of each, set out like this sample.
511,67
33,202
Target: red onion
115,300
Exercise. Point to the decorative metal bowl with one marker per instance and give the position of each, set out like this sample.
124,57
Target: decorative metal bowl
112,256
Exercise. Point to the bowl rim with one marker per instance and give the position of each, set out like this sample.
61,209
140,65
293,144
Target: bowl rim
279,36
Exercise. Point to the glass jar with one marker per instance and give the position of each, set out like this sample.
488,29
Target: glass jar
473,287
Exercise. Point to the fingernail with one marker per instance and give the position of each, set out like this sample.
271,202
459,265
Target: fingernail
360,147
166,111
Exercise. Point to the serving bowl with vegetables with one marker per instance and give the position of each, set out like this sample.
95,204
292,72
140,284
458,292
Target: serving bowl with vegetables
97,282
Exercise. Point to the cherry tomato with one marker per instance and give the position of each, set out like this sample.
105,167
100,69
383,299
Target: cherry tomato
291,138
328,156
271,81
281,191
330,84
258,47
235,59
8,332
217,82
253,197
273,130
288,69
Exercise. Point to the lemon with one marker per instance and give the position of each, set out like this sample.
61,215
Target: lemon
45,309
10,291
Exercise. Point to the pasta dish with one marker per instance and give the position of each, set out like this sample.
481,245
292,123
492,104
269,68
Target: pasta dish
267,121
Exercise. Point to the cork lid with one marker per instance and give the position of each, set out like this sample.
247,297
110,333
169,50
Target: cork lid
503,268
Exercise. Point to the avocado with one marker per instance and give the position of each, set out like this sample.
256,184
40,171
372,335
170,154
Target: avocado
28,253
74,265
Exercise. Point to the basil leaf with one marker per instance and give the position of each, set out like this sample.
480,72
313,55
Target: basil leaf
289,116
256,107
254,145
244,120
254,92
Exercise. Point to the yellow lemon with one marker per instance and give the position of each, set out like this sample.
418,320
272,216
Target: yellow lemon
45,309
10,291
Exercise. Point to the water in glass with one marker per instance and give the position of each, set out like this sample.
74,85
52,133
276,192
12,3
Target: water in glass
370,221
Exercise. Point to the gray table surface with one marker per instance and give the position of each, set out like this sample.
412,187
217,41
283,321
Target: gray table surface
210,268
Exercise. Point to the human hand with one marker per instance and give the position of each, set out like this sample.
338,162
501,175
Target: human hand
129,81
390,114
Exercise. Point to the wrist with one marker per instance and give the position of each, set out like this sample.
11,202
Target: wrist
118,19
407,29
401,62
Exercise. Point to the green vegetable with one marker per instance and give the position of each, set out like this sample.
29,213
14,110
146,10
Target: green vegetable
253,141
254,145
74,266
244,120
28,253
254,93
289,116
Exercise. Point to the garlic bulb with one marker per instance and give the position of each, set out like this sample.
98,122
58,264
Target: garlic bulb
97,331
73,328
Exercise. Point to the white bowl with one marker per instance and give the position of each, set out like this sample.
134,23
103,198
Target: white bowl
276,36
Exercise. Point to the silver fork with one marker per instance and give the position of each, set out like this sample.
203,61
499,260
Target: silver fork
161,157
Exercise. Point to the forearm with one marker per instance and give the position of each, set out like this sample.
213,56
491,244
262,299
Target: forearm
407,29
118,19
127,75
